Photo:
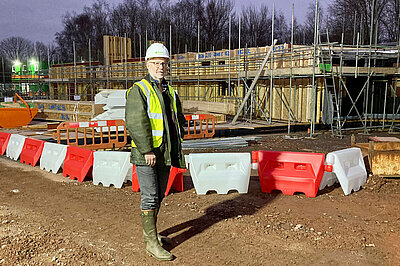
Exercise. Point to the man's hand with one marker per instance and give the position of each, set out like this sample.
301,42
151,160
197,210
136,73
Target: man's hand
150,158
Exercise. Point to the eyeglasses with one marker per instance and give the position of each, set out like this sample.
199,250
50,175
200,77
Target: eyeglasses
158,64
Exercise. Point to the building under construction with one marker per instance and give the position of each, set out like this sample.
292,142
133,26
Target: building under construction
326,83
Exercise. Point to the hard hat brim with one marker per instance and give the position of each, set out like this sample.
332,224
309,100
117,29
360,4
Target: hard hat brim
161,57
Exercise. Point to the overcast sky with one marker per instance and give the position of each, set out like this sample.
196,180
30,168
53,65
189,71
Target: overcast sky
39,20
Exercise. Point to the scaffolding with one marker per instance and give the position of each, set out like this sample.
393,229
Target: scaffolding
344,86
328,83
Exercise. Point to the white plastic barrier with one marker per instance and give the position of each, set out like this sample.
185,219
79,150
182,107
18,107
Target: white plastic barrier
53,156
15,145
220,172
111,168
348,165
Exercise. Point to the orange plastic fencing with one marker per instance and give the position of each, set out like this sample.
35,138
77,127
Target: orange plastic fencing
200,126
83,134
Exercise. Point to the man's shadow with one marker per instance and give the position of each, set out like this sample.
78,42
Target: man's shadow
242,205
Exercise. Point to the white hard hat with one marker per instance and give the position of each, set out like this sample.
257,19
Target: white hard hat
157,50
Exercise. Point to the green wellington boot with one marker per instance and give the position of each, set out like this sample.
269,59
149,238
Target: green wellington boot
153,246
162,239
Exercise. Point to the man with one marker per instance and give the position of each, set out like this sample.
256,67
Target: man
154,120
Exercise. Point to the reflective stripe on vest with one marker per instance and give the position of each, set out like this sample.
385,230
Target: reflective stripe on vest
154,111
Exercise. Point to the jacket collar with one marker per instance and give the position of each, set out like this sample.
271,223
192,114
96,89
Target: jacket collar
154,82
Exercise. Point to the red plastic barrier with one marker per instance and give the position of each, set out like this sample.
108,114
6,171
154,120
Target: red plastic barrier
290,172
135,182
4,138
32,151
77,163
175,180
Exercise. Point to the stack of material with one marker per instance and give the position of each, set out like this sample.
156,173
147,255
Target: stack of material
101,97
66,110
225,143
114,104
219,110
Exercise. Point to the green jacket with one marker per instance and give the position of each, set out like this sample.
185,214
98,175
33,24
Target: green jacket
139,128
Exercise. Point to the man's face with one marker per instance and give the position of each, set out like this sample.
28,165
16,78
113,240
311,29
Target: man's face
157,67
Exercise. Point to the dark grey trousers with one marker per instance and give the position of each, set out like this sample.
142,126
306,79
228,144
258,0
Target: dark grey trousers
153,184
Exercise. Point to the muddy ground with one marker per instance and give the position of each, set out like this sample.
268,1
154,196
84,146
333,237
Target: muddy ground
46,219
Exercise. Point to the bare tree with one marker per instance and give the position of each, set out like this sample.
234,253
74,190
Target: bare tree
309,24
347,15
123,20
281,28
256,26
92,24
391,21
78,28
16,48
215,24
186,14
99,17
161,21
297,32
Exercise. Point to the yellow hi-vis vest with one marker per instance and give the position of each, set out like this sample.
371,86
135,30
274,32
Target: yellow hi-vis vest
154,111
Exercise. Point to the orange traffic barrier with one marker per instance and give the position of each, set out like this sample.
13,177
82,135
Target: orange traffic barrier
17,117
107,138
4,138
290,172
31,151
78,163
200,126
135,181
175,180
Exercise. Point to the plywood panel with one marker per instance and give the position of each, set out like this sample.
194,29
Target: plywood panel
213,107
276,103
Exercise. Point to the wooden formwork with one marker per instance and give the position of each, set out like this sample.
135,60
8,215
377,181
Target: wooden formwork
298,99
115,48
299,103
68,71
67,90
53,73
183,68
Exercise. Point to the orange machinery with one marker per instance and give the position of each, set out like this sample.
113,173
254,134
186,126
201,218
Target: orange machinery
17,117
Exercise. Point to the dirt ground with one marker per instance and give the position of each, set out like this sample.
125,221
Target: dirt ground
46,219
